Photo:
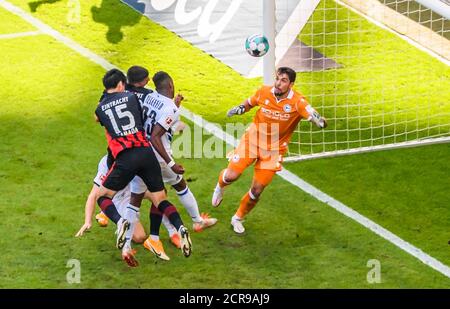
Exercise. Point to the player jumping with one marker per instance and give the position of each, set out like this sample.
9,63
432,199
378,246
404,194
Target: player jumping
266,140
161,114
121,115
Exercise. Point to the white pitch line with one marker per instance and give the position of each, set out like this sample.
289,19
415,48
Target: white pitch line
19,35
219,133
374,227
46,29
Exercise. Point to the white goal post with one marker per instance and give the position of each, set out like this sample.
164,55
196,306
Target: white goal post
438,6
389,85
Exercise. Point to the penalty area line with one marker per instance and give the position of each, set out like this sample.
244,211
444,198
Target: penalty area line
219,133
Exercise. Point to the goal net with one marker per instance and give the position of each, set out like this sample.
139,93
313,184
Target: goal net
378,70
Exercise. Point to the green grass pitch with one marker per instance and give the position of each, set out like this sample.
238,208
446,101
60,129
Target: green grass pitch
50,147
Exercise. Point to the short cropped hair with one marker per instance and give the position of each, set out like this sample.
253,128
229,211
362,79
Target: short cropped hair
112,78
136,74
161,79
289,72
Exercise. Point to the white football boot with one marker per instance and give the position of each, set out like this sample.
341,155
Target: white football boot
186,244
122,227
238,227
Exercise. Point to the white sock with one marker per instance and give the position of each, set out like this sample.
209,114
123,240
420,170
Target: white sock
170,228
119,222
154,237
132,216
236,218
190,203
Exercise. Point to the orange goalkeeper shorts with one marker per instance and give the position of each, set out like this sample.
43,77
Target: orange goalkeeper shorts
267,162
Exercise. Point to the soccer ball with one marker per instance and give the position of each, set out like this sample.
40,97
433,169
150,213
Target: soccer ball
257,45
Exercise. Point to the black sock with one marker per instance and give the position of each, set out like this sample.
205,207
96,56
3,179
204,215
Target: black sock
109,209
155,220
171,213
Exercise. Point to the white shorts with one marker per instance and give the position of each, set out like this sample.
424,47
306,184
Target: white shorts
169,177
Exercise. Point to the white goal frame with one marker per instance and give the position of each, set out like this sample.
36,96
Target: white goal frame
307,7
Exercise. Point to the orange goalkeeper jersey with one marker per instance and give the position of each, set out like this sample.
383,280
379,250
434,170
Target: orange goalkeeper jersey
275,121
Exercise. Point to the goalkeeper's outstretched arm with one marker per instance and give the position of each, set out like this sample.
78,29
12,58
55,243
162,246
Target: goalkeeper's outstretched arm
240,109
316,118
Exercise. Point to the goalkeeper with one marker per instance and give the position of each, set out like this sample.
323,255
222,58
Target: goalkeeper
266,140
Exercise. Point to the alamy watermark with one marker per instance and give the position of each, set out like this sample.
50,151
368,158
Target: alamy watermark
74,274
74,12
374,274
257,140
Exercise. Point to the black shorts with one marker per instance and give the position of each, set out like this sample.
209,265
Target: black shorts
135,162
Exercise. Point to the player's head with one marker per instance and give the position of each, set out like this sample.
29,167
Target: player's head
114,80
284,81
164,84
137,76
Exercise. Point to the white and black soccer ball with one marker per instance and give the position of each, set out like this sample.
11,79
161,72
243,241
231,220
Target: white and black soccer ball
257,45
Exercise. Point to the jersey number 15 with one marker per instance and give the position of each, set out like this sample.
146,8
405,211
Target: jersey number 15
121,114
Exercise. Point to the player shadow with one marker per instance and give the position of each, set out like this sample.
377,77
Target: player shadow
35,4
112,15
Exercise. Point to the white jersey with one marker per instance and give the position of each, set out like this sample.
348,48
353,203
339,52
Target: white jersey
163,111
122,197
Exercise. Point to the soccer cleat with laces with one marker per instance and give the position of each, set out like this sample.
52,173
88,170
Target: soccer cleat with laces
175,240
102,219
205,223
217,196
122,227
238,227
156,247
186,244
128,256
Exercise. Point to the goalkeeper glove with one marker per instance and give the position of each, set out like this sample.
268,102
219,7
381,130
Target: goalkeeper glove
238,110
319,120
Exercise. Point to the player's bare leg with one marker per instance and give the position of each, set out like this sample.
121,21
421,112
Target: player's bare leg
139,235
226,177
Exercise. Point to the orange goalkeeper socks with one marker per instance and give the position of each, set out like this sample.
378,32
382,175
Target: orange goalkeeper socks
247,204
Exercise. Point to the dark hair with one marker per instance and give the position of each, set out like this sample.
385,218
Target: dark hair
161,80
136,74
289,72
112,78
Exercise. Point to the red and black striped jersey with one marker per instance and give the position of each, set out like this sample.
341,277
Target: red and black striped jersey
121,115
